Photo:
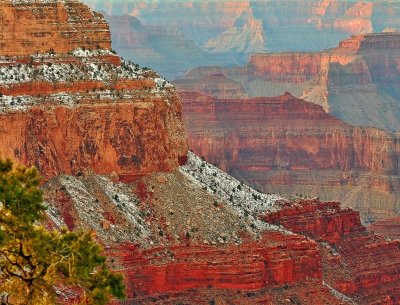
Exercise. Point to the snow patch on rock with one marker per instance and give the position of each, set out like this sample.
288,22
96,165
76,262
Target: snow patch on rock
246,201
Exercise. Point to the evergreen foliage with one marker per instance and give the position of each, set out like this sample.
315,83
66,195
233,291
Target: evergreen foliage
34,262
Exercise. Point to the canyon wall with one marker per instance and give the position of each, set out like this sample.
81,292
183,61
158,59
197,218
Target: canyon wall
62,27
287,145
227,32
306,251
68,103
347,244
356,82
108,137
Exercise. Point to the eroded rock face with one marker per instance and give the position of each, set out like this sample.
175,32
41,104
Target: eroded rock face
302,250
274,261
287,145
195,33
157,235
79,106
39,26
193,234
346,263
355,82
323,221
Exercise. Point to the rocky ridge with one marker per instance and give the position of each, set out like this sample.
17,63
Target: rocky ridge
76,105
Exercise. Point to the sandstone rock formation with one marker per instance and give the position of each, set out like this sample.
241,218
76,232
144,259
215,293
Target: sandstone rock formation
284,144
355,82
349,251
270,251
68,103
23,32
224,32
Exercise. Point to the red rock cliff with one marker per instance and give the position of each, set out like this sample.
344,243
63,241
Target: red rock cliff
356,81
288,145
347,262
33,26
79,106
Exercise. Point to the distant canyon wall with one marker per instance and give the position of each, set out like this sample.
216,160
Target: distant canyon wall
357,81
284,144
227,32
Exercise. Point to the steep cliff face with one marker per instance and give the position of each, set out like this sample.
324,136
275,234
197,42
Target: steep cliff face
68,103
284,144
198,236
34,26
347,250
225,32
356,82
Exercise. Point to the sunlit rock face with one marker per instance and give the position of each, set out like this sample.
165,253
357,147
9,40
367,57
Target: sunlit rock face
68,103
108,138
357,81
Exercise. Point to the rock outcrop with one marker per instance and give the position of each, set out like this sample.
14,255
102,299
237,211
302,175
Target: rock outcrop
347,250
69,104
287,145
33,26
268,252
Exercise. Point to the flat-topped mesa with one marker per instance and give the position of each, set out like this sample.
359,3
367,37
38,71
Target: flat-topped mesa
30,27
371,41
282,132
68,103
285,67
284,144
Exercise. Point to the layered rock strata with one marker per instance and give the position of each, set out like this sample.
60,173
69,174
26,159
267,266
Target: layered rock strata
355,81
284,144
348,251
189,234
68,103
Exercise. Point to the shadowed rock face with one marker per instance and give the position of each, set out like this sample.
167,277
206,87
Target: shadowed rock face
284,144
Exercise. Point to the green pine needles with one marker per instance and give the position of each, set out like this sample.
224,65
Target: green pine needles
35,262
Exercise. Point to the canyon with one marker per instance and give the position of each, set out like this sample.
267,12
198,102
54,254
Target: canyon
227,32
287,150
286,145
108,137
356,81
